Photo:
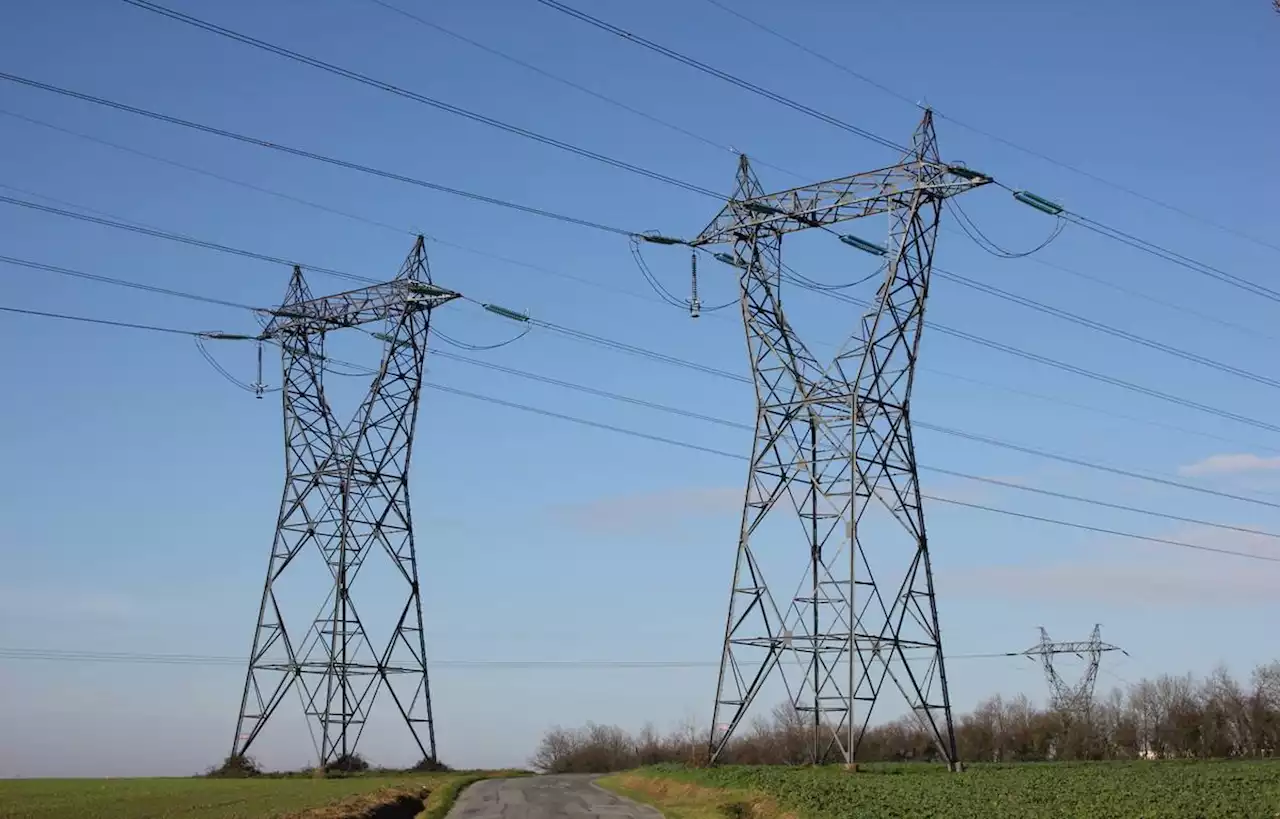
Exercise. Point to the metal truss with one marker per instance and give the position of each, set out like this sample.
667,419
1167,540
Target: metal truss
836,443
346,498
1067,699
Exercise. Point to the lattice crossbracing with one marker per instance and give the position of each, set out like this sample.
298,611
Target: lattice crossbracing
346,500
865,612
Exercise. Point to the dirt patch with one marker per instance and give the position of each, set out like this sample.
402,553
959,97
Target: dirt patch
388,803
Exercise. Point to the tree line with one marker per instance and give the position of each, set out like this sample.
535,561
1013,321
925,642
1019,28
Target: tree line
1169,717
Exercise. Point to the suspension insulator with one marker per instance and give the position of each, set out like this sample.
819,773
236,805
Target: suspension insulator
660,240
864,245
1038,202
967,173
427,289
505,313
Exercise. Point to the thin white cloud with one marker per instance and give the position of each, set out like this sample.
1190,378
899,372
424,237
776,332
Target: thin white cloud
1126,573
66,603
1230,464
646,511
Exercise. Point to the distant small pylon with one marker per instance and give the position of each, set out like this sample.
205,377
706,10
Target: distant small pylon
1065,698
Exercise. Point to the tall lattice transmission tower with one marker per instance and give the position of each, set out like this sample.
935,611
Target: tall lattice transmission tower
1074,700
346,501
833,452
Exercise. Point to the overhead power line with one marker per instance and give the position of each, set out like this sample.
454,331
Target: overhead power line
1022,487
179,237
971,337
844,68
440,105
164,291
722,75
605,98
1076,218
606,286
737,456
701,416
1092,375
48,654
1103,327
173,163
108,322
329,160
587,223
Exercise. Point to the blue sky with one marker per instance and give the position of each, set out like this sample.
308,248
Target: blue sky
138,508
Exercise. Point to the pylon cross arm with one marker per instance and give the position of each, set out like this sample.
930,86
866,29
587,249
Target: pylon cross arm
837,200
355,307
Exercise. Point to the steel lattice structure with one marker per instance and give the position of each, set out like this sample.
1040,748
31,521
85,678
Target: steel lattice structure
1066,699
346,497
835,442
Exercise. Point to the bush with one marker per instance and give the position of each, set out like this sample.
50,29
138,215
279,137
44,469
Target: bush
235,766
346,764
429,765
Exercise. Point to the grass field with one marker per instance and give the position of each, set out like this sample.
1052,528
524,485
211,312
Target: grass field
258,798
1062,790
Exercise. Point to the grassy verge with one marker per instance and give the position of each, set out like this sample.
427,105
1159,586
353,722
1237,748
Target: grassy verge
1181,789
687,800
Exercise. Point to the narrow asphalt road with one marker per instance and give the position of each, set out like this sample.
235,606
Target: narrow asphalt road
545,797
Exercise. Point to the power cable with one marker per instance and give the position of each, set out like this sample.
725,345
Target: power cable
440,105
1102,327
341,163
150,288
736,456
325,208
47,654
476,348
179,237
108,322
226,374
581,421
1098,227
722,75
653,405
972,338
1102,530
1180,259
934,428
578,87
982,240
801,281
1145,296
206,172
1076,370
654,284
839,66
1098,467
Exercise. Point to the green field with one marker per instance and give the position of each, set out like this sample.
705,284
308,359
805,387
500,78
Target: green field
1088,790
258,798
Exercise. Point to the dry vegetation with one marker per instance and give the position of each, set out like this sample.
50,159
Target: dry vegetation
1165,718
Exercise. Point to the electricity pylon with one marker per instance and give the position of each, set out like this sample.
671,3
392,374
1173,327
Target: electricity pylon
1064,698
836,442
346,498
